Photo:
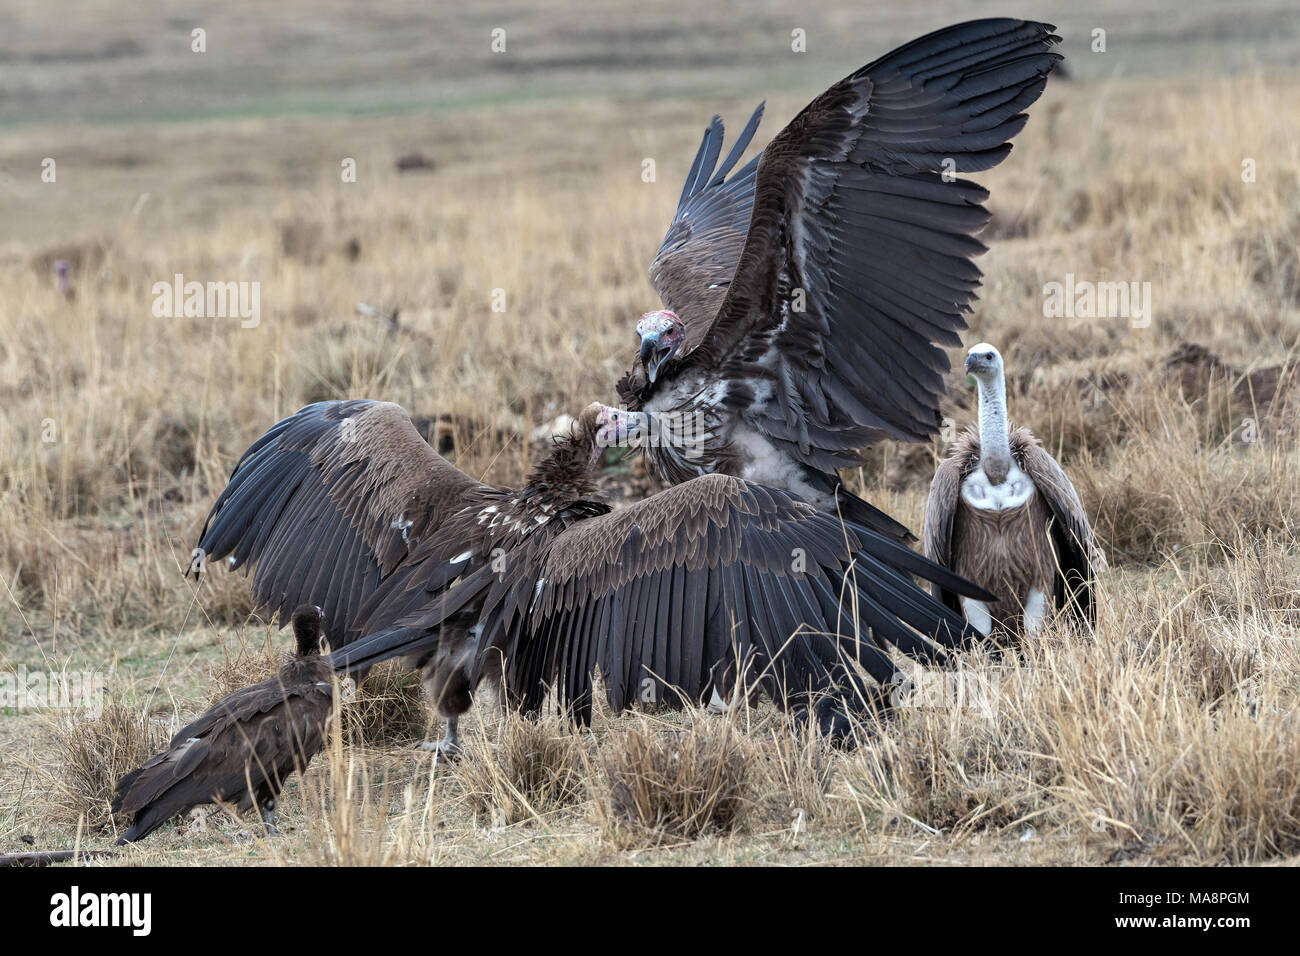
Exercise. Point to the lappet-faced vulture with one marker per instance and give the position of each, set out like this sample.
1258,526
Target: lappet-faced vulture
244,748
544,587
1002,513
780,356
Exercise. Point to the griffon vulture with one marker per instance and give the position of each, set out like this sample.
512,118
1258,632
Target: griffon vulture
244,748
808,298
543,586
1002,513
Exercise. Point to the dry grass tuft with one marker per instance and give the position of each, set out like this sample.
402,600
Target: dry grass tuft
345,808
245,664
526,770
91,752
1171,733
951,759
666,784
1182,488
388,706
795,766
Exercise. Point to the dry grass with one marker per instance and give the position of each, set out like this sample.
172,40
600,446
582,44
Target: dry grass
1170,734
387,707
527,770
246,663
1166,734
91,752
670,785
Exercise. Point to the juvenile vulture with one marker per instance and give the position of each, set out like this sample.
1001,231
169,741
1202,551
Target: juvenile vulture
808,297
671,599
244,748
1002,513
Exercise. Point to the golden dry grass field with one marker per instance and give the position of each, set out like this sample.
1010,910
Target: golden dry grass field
1171,734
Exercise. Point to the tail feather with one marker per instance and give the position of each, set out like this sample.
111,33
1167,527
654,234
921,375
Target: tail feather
382,646
864,513
905,559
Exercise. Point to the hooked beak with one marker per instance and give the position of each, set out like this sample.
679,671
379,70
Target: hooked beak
653,354
970,364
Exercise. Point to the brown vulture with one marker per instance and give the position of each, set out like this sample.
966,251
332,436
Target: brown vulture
244,748
543,587
809,297
1002,513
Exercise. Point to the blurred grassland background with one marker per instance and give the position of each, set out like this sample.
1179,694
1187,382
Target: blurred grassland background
1170,735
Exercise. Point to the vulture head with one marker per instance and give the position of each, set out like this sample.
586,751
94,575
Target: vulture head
619,428
984,362
661,335
308,619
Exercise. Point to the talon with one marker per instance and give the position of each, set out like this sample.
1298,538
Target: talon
443,748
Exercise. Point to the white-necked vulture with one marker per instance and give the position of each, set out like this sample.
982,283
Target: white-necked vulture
244,748
1002,513
544,587
780,357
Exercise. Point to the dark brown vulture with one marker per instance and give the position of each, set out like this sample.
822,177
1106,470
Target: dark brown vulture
543,587
1002,513
244,748
780,356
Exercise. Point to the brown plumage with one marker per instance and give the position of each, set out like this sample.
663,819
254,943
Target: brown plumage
1014,551
823,331
1004,515
698,256
244,748
329,503
544,587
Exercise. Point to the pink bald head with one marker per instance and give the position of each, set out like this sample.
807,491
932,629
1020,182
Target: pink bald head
661,333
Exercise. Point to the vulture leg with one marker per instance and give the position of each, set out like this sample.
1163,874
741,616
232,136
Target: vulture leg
266,813
263,802
267,801
449,745
1035,612
977,614
448,685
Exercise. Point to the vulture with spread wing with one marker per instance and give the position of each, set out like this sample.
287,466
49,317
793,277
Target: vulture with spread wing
1002,513
712,584
808,298
244,748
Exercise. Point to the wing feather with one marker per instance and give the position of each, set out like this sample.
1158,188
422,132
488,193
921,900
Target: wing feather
1078,556
851,212
698,256
328,503
683,584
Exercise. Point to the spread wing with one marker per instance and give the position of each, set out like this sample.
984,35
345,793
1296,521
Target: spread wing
328,503
1077,552
662,596
857,268
698,256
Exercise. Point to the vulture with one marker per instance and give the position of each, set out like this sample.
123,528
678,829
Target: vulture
709,586
808,297
243,749
1002,513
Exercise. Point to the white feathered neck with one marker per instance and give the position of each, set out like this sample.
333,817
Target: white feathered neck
995,437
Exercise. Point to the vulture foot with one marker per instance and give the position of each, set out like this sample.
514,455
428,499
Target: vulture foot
449,746
245,836
268,828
